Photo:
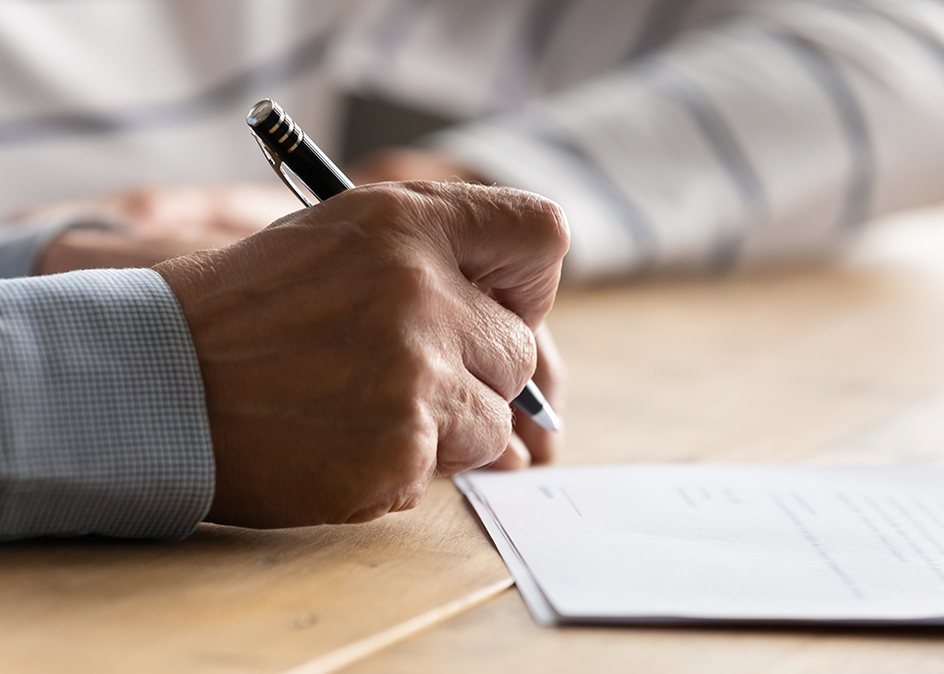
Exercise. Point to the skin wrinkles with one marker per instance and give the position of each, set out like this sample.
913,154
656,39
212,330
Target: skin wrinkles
369,343
346,340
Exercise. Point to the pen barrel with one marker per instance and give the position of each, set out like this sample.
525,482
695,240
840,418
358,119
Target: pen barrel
291,145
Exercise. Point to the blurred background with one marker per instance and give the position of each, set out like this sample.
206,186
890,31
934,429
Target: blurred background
678,135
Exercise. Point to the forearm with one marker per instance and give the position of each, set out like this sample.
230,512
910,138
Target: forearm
770,135
103,425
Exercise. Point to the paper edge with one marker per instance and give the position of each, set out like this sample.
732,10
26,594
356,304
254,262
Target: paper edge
534,598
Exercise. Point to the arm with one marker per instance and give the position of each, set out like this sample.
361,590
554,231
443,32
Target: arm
147,226
339,359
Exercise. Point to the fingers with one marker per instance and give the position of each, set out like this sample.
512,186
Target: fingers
551,377
506,241
498,348
475,428
369,343
499,352
531,442
515,457
514,244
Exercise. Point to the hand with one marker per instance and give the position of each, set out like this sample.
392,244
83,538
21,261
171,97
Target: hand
158,223
530,443
352,351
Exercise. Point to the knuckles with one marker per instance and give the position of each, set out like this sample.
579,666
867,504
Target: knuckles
523,350
544,225
411,285
401,208
405,327
400,467
425,211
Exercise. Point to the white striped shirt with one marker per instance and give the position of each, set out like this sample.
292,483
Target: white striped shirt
675,133
690,133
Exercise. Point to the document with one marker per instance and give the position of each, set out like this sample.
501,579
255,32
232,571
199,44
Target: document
720,543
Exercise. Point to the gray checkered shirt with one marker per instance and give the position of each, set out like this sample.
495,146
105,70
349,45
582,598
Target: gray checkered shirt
103,425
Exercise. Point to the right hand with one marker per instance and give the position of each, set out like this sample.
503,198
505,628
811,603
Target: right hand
530,443
352,351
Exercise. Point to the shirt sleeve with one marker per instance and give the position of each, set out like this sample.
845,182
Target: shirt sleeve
103,425
769,135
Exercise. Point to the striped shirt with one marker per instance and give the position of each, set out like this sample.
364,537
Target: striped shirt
676,133
683,134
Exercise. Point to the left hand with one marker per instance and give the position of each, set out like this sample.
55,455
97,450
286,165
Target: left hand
159,223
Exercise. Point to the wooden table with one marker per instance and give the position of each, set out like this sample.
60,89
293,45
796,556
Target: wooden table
828,364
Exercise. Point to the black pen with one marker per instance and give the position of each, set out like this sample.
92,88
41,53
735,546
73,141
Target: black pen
296,159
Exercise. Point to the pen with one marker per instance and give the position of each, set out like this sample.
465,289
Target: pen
310,174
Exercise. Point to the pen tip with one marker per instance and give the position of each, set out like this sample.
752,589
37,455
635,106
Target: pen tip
547,419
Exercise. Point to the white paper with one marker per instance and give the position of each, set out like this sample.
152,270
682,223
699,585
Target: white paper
653,543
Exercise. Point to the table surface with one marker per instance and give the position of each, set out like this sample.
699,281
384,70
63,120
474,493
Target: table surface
842,363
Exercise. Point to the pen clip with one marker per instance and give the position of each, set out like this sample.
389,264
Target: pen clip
282,171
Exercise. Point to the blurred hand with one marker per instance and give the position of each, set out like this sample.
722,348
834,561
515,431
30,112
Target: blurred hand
352,351
399,164
158,223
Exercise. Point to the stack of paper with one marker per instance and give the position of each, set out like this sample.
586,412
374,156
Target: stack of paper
682,543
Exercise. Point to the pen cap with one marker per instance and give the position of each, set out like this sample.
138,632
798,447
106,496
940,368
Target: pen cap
286,140
274,126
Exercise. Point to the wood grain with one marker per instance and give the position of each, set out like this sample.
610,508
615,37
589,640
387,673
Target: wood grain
500,637
790,366
842,363
234,600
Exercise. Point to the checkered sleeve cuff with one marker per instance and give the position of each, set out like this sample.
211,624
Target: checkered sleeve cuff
103,424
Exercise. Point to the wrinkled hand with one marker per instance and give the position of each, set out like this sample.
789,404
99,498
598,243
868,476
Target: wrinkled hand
158,223
352,351
530,443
